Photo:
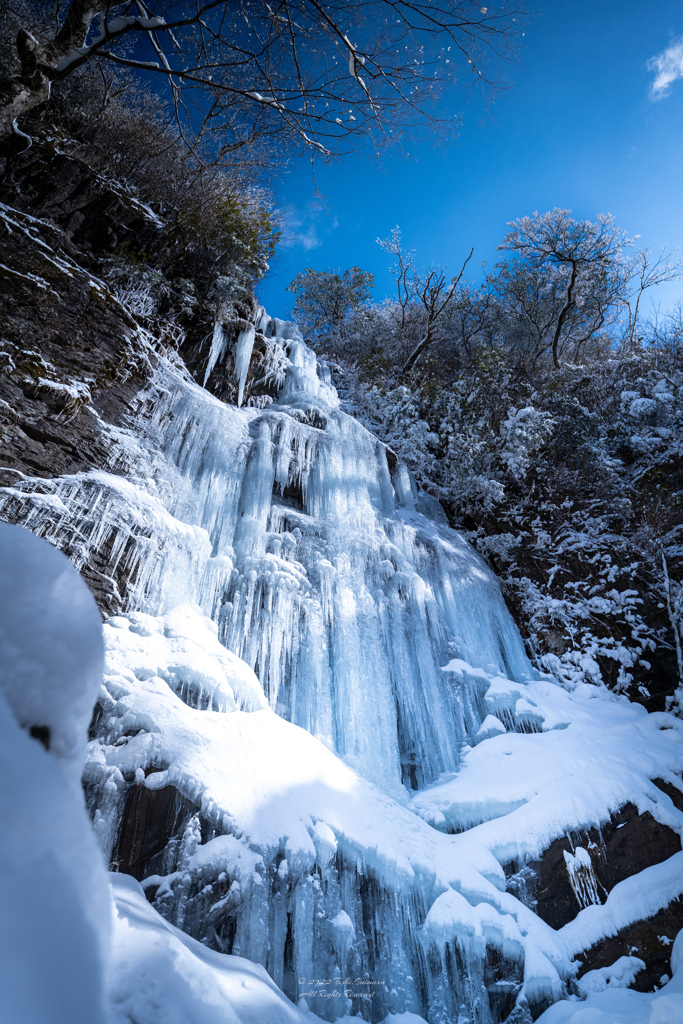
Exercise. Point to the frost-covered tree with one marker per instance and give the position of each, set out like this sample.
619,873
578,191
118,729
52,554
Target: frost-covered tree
581,261
664,330
529,300
299,71
427,294
326,298
645,272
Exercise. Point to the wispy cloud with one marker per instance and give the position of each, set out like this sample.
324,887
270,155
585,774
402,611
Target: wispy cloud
307,227
668,68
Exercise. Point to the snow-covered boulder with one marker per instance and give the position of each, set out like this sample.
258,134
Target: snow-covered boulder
51,643
55,907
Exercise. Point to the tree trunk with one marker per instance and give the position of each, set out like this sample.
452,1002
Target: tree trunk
417,352
18,98
569,302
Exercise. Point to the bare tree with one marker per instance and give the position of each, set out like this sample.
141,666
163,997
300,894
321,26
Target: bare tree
310,72
436,296
403,262
644,272
425,290
587,255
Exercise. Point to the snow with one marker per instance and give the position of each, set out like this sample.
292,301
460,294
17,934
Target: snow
491,726
54,899
55,906
182,649
51,642
517,792
621,974
161,974
331,678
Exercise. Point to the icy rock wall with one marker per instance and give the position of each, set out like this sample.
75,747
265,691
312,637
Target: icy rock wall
284,526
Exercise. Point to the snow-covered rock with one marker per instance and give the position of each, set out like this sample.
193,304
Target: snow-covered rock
55,906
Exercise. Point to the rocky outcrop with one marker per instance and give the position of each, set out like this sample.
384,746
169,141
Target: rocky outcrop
151,819
69,354
625,845
651,940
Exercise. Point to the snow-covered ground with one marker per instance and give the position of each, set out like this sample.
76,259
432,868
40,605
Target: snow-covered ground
330,679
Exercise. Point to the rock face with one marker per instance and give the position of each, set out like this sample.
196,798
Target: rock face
651,940
627,844
68,354
71,360
151,819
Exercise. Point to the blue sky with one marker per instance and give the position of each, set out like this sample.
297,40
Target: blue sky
577,129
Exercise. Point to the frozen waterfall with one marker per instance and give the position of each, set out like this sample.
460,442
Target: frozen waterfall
284,527
312,771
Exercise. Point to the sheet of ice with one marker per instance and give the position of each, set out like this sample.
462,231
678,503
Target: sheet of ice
282,526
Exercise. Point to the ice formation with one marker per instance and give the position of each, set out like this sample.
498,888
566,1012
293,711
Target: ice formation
328,677
217,350
582,877
159,974
243,350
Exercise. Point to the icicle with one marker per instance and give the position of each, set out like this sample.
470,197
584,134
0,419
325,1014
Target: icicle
217,350
261,319
582,877
406,492
245,346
